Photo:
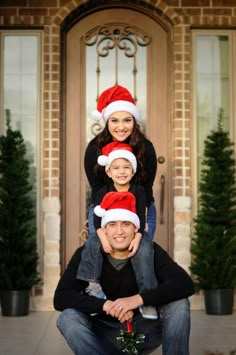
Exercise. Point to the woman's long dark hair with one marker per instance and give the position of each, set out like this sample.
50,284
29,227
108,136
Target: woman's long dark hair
135,140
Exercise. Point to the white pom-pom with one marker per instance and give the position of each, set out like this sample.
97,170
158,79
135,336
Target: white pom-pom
100,212
96,115
102,160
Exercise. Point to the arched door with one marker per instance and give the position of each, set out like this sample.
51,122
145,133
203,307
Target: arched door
92,67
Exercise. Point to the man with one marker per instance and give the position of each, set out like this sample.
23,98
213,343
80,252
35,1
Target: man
97,334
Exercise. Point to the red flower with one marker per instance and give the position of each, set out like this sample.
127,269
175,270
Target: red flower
129,326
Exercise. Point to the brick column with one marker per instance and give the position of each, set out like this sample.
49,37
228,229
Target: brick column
182,231
51,270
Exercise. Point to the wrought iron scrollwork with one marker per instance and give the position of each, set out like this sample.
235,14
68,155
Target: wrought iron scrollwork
117,37
120,36
83,234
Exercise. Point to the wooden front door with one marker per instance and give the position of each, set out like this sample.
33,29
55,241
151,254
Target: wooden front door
146,76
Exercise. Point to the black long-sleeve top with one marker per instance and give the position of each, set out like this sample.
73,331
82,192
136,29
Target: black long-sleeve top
139,193
96,182
173,284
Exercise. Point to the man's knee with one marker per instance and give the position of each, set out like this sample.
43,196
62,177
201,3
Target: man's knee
64,319
69,318
179,309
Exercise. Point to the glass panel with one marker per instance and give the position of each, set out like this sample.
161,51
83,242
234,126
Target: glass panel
212,86
20,83
107,79
21,63
115,55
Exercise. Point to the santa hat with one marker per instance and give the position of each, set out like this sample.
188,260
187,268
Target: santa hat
118,206
116,150
117,98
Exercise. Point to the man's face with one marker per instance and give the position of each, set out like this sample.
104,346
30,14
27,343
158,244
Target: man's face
120,234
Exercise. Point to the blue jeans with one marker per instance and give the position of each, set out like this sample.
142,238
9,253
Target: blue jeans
90,219
94,335
90,267
151,220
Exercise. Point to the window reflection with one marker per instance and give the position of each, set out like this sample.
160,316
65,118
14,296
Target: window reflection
20,83
212,86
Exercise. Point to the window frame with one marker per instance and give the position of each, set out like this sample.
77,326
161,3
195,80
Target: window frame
231,34
38,155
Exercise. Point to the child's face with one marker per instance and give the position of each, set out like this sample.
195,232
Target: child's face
120,171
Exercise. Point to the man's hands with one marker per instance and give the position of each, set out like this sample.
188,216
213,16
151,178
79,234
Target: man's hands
122,308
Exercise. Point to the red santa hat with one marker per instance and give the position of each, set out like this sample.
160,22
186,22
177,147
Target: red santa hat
116,98
118,206
116,150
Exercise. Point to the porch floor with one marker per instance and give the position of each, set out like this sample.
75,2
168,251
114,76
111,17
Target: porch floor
36,334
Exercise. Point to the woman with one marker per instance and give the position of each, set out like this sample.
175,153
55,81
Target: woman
117,107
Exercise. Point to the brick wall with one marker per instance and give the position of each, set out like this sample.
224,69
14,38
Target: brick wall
182,13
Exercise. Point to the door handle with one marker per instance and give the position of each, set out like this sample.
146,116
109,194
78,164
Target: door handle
162,199
161,160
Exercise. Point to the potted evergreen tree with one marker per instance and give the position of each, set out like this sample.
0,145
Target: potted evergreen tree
18,247
214,243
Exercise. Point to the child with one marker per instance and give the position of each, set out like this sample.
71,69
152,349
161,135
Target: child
120,165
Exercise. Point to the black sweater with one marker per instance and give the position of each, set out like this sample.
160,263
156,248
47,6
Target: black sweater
96,182
173,284
139,193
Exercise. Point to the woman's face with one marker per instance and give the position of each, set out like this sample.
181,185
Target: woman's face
120,125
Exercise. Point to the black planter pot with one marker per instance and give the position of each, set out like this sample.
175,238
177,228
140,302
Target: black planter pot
219,301
15,303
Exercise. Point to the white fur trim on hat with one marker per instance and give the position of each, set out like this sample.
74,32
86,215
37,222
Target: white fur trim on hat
103,160
120,105
96,115
120,214
99,211
122,153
